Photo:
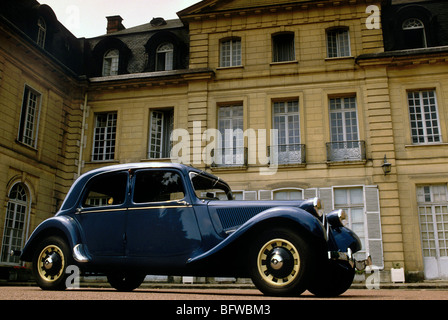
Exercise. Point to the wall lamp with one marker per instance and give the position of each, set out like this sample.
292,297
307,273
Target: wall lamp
387,166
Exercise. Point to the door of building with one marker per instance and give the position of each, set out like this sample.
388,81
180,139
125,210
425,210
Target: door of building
433,215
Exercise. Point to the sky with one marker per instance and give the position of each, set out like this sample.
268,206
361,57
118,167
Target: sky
88,18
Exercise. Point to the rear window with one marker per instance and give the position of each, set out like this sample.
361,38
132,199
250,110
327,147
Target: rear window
106,190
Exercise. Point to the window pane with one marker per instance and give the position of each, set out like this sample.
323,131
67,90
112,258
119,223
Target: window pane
106,190
104,137
423,116
156,186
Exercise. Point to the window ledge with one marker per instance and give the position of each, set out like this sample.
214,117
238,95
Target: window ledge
347,163
230,68
438,144
279,63
340,58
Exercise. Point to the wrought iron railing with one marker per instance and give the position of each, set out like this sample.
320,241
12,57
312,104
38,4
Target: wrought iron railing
346,151
229,157
287,154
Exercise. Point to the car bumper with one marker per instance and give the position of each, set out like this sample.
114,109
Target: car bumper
348,256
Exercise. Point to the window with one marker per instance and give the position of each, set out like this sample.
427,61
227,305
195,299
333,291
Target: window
230,53
338,43
106,190
230,126
110,62
352,201
287,194
433,214
15,223
104,136
283,47
344,131
164,57
286,122
41,32
160,129
29,117
414,33
158,186
210,187
423,117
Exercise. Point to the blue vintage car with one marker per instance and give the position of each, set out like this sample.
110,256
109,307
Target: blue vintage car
128,221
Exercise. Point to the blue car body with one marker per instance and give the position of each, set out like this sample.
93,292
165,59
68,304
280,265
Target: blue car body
188,234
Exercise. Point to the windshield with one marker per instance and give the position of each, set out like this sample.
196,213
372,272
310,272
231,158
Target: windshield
210,187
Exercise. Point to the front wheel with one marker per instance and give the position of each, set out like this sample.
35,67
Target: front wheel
50,261
281,263
333,281
125,281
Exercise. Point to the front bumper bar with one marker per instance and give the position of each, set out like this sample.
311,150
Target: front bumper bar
348,256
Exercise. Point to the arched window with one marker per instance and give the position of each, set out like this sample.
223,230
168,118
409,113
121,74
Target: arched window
164,57
15,223
110,62
41,32
414,33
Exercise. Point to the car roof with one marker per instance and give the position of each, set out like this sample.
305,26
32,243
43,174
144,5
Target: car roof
77,186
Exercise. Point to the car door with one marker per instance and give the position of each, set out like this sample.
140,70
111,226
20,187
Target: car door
161,225
102,214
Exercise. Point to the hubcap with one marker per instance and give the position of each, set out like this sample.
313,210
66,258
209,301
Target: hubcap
278,262
51,263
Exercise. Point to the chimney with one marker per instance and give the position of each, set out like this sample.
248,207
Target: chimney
114,24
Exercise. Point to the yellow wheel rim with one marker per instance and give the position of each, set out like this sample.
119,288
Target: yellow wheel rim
51,263
278,262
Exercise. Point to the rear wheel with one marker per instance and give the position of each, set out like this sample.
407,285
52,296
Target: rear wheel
124,281
281,263
50,261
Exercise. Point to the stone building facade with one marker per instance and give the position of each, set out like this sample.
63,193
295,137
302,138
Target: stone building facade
345,100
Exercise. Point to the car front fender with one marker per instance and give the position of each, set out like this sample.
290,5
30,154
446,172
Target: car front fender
64,226
297,218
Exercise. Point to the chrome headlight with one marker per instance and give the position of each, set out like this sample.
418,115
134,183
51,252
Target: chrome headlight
336,218
318,207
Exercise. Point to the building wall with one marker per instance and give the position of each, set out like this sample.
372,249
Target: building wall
46,168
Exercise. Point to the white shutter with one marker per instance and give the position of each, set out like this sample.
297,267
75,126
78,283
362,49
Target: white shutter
373,218
265,195
249,195
326,197
309,193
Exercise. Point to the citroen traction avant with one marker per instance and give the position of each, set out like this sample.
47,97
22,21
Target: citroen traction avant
128,221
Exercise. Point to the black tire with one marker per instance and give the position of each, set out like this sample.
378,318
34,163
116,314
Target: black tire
334,281
50,261
281,263
125,282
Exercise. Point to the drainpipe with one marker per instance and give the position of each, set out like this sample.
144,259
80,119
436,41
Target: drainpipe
83,127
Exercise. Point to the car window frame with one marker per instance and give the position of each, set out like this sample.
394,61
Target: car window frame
184,201
85,209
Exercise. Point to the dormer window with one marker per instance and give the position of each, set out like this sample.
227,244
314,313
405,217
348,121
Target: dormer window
164,57
41,32
414,33
110,63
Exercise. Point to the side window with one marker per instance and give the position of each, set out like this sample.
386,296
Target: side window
106,190
157,186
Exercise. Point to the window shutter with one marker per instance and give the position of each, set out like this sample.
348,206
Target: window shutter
373,218
326,196
265,194
249,195
309,193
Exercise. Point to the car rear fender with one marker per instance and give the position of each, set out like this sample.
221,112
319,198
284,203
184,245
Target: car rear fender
64,226
294,217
